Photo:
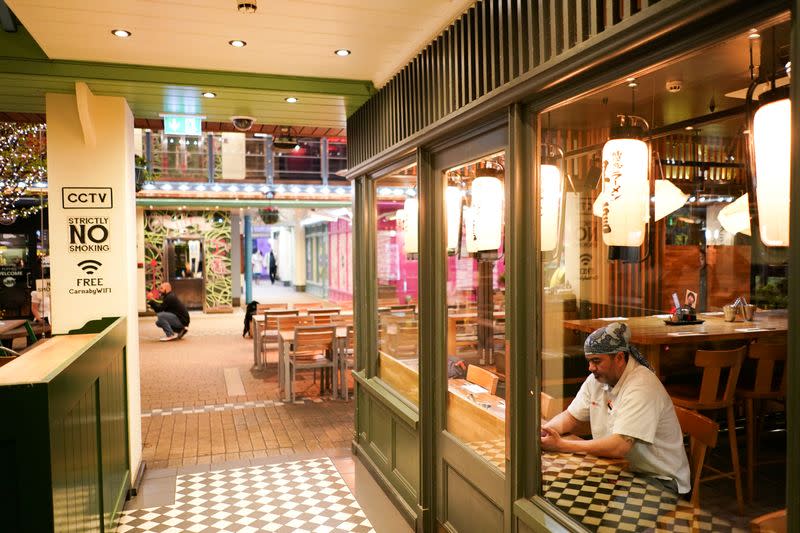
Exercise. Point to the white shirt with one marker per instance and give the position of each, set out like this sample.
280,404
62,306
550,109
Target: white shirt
42,299
639,407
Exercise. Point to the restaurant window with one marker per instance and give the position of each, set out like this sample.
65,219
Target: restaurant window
298,162
397,265
664,238
180,156
476,346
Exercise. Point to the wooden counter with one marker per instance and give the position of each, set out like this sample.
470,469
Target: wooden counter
64,432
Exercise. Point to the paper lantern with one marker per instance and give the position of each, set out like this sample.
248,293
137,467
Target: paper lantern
772,140
735,217
669,198
469,230
410,233
551,193
487,210
453,206
624,200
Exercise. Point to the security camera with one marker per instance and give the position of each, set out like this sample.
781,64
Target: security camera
243,123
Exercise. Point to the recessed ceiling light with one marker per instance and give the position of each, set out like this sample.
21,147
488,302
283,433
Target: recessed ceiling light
237,43
753,34
209,94
342,52
291,100
121,33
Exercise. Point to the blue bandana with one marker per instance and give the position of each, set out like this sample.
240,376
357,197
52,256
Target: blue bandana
612,339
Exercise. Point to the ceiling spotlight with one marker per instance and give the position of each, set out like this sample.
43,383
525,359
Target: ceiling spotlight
121,33
209,94
753,34
292,99
237,43
342,52
246,6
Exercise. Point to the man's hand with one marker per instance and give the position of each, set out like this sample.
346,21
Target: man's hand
551,440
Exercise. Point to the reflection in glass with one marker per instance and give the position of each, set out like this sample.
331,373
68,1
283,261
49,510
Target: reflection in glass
476,347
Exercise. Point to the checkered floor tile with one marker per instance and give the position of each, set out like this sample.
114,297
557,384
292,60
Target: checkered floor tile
227,407
296,497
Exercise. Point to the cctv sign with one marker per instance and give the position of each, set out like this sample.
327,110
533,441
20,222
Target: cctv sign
87,198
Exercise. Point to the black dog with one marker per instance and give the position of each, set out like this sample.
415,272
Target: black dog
251,309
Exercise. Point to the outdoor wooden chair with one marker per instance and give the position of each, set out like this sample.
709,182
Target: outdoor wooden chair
325,311
774,522
312,349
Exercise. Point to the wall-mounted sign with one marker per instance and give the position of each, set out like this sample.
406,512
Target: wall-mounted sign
183,124
87,198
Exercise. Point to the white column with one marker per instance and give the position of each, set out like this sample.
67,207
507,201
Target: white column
299,257
93,218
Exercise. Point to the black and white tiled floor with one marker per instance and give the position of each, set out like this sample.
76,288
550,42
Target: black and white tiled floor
298,496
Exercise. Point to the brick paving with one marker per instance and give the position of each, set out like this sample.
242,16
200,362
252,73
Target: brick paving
189,374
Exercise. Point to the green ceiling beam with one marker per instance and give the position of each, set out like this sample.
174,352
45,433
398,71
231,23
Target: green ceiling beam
237,204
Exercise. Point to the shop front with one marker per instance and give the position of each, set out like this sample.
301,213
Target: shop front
626,175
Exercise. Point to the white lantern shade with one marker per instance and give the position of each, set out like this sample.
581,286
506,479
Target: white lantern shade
626,192
410,225
735,217
487,206
551,191
669,198
452,196
772,138
469,230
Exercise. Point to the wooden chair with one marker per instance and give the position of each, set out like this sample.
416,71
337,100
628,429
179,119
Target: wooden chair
260,308
484,378
403,307
550,406
340,320
312,349
325,311
716,395
269,330
306,306
404,342
769,384
463,337
347,359
703,433
287,322
774,522
321,319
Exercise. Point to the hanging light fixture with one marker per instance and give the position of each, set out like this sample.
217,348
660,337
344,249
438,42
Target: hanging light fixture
486,228
668,198
623,203
551,196
410,214
772,132
453,197
735,217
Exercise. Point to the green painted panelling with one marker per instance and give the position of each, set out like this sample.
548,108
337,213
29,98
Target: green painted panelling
466,509
20,44
406,454
381,432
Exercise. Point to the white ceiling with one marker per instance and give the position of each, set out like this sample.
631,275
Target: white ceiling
286,37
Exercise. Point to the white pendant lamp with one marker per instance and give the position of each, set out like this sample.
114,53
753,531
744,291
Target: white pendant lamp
470,230
772,128
669,198
735,217
487,210
551,194
410,234
452,196
624,200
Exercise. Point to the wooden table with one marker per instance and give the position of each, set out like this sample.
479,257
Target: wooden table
651,335
453,318
8,325
285,341
258,333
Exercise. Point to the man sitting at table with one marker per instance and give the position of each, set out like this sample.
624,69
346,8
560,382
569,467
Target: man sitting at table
629,411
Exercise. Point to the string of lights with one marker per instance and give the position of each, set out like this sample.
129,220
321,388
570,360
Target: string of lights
23,164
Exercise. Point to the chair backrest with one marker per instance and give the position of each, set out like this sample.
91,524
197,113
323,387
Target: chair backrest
767,354
288,322
313,339
550,406
774,522
340,320
306,306
703,433
713,362
321,319
484,378
271,317
260,308
351,337
402,307
325,311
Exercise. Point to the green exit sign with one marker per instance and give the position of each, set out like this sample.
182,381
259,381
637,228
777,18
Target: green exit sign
183,125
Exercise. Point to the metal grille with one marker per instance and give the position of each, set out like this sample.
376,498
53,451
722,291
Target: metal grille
491,44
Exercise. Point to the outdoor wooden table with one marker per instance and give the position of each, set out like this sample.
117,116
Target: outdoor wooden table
651,335
8,325
285,341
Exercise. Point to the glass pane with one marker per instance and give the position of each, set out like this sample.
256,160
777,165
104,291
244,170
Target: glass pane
661,266
397,269
176,156
302,162
476,368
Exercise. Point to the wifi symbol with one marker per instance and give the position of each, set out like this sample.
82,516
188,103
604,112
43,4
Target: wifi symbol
90,266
